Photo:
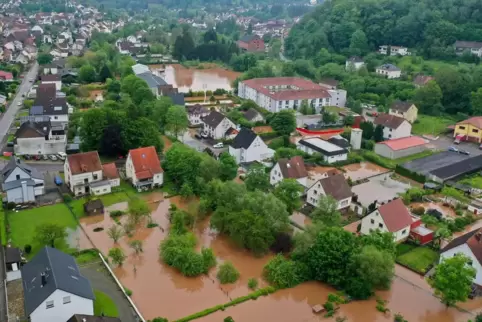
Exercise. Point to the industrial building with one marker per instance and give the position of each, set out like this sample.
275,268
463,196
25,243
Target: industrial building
399,148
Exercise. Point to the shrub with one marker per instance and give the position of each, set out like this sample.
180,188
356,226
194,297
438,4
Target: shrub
419,211
228,319
399,318
284,273
252,283
116,213
27,248
227,273
128,291
11,205
67,198
152,225
158,319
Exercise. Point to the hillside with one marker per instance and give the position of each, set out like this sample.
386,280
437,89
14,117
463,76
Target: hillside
357,27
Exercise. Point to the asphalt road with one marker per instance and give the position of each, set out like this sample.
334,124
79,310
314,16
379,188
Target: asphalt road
444,142
9,116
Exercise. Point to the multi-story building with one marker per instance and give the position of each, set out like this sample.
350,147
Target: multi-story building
394,127
407,110
39,138
473,47
84,174
394,50
143,168
389,71
280,93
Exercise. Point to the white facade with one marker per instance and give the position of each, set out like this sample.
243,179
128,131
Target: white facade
389,73
156,180
79,183
195,118
394,50
356,138
374,221
403,131
41,146
24,192
354,65
64,306
332,152
51,70
315,192
220,131
275,177
465,250
257,151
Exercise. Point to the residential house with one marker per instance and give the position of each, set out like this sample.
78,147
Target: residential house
334,186
22,59
143,168
404,109
473,47
389,71
251,43
110,173
470,245
293,168
399,148
249,147
13,260
6,76
92,318
469,130
195,113
278,93
52,79
140,69
83,174
394,50
217,126
55,108
338,96
172,92
422,80
39,138
253,116
153,81
54,289
3,100
330,152
354,63
394,127
20,182
391,217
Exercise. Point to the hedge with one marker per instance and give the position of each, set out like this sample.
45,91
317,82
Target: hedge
3,226
252,296
375,158
404,172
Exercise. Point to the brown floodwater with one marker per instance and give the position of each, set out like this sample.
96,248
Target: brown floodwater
363,170
209,78
446,211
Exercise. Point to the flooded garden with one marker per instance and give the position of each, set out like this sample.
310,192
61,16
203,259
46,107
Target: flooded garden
159,290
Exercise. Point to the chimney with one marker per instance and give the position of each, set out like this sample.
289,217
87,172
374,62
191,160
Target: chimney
44,279
478,236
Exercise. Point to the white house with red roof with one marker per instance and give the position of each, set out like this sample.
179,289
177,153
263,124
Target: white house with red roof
391,217
399,148
279,93
143,168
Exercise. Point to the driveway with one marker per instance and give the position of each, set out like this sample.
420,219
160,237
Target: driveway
100,279
198,145
444,142
9,116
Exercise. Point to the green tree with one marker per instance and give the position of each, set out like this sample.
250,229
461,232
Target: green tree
87,74
327,212
117,256
284,273
329,117
453,279
44,58
284,122
182,164
138,209
115,233
428,98
359,43
305,107
289,191
104,73
476,102
257,178
227,273
47,234
176,120
228,168
378,133
368,130
136,246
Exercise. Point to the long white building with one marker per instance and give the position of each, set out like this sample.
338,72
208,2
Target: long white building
280,93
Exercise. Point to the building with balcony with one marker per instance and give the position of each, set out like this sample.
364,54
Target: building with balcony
143,168
84,174
279,93
40,138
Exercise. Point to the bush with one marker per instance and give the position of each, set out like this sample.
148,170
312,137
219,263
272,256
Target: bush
67,198
159,320
128,291
419,211
27,248
410,174
252,283
116,213
11,205
399,318
228,319
284,273
227,273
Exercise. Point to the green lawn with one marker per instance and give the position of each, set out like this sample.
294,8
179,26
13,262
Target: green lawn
23,224
86,256
103,305
415,156
419,258
3,227
404,248
107,200
434,125
474,181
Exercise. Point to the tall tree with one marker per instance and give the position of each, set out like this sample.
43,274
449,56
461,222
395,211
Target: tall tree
257,178
289,191
327,212
104,73
228,169
378,133
47,234
428,98
476,102
87,74
359,43
43,58
176,120
284,122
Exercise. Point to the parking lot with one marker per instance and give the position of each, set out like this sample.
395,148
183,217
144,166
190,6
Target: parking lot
433,162
199,144
444,142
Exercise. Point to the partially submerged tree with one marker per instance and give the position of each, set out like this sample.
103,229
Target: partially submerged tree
227,273
115,233
136,245
327,212
117,255
138,209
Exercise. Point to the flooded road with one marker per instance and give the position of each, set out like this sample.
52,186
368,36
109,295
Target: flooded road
211,78
363,170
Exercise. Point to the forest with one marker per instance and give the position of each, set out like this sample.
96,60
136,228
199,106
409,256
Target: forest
358,27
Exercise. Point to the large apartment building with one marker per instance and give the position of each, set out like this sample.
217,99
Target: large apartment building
280,93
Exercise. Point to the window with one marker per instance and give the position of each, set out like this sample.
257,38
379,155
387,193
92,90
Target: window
86,180
18,177
67,299
372,221
462,127
49,304
56,118
404,232
475,130
95,177
380,225
316,192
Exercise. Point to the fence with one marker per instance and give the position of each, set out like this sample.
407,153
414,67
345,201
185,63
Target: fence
122,288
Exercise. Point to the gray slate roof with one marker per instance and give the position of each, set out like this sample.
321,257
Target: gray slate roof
389,67
213,119
62,273
244,139
16,162
17,184
251,114
152,80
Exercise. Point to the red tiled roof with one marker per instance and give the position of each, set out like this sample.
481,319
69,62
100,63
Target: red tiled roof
84,162
475,121
395,215
146,162
110,171
6,75
306,89
404,143
293,168
473,240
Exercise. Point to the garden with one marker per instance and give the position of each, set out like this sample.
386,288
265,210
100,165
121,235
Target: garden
417,258
433,125
104,305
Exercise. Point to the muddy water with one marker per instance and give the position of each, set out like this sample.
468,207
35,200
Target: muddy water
363,170
186,79
446,211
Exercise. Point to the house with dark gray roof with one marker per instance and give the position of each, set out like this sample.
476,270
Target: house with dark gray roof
20,182
253,116
39,137
195,113
217,125
334,186
248,147
389,71
153,81
54,290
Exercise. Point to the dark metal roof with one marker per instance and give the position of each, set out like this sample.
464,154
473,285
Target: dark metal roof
177,98
460,168
244,139
12,255
341,142
152,80
402,106
322,151
251,114
33,130
61,273
16,162
213,119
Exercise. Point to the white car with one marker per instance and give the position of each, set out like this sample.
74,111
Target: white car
62,155
53,157
218,145
19,104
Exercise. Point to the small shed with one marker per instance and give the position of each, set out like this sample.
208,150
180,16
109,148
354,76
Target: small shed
94,207
13,260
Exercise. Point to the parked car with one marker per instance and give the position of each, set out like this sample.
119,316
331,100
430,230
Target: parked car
27,157
453,149
10,144
218,145
53,157
19,104
204,135
37,157
58,180
464,152
45,157
62,155
198,136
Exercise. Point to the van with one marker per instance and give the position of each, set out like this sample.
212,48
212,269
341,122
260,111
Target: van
218,145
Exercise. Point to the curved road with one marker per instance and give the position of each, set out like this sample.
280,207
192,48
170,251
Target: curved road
9,116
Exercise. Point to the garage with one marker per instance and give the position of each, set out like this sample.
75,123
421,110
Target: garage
399,148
